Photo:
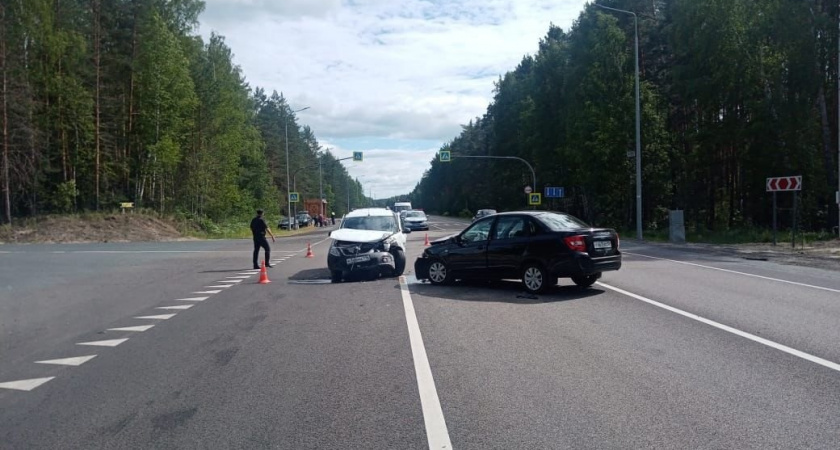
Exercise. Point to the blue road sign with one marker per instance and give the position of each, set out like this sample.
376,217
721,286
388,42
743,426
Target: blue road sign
554,192
294,197
445,156
357,156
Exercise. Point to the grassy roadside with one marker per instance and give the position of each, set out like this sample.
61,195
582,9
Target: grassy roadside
115,226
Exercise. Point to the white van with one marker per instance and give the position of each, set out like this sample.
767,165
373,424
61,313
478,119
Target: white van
401,206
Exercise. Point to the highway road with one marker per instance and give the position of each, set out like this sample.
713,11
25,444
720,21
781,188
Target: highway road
175,345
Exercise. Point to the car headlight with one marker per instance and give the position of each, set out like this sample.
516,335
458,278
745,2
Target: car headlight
386,245
334,251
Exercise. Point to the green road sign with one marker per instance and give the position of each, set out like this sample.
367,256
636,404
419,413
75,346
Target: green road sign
294,197
445,156
357,156
535,199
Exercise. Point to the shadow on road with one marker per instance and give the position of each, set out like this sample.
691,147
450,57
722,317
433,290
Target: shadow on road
248,267
507,291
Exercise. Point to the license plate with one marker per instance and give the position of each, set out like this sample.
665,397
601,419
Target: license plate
358,259
602,244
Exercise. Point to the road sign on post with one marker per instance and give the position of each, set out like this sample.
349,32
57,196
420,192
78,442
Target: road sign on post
554,192
445,156
535,199
528,189
785,184
779,184
358,156
294,197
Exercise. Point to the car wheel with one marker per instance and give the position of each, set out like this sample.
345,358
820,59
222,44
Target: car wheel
335,276
439,273
585,281
399,261
535,278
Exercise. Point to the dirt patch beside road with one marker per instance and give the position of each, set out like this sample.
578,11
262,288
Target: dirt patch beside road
819,254
92,228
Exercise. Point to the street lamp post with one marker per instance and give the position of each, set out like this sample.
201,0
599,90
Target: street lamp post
288,186
638,125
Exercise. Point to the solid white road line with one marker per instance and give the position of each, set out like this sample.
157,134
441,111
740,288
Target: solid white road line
737,272
175,307
737,332
207,292
134,328
192,299
157,317
75,361
436,432
106,343
25,385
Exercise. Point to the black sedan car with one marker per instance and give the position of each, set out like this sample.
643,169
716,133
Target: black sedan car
537,247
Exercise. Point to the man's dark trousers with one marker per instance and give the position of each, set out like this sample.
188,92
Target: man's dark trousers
261,242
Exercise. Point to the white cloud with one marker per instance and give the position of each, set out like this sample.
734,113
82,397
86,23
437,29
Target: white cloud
410,69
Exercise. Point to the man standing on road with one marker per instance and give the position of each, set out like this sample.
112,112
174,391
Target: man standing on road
332,216
258,229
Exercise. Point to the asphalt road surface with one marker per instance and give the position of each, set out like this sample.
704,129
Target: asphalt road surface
175,345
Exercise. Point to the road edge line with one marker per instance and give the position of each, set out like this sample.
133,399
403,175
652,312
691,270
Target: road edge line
437,434
775,345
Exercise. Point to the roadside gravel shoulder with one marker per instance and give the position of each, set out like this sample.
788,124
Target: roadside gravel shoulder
821,254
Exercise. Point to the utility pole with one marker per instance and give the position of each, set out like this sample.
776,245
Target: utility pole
638,125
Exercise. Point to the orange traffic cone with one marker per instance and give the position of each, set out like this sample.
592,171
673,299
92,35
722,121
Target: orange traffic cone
427,241
264,275
309,253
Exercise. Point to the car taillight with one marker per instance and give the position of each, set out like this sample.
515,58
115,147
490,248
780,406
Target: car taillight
575,243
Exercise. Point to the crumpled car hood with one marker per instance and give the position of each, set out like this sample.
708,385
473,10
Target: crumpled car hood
361,236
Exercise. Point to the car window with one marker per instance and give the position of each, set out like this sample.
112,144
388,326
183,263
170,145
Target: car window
376,223
415,214
510,227
477,232
562,221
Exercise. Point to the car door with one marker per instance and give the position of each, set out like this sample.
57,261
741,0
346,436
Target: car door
469,256
508,245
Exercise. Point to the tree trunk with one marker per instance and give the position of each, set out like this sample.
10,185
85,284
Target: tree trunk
96,6
828,159
6,197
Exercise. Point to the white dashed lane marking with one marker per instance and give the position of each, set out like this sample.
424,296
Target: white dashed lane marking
240,277
74,361
207,292
105,343
135,328
157,317
192,299
222,286
175,307
25,385
229,281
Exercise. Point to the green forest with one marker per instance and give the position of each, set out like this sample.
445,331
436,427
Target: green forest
110,101
732,92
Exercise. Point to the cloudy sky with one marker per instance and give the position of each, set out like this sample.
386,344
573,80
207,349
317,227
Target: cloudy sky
392,78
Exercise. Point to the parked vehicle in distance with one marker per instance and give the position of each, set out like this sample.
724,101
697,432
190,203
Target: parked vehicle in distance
401,206
537,247
415,220
370,241
483,213
283,224
304,219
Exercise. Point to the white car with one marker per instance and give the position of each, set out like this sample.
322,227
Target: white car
370,241
415,220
